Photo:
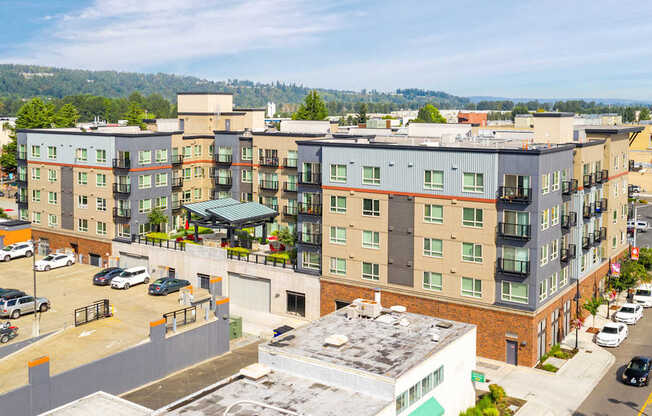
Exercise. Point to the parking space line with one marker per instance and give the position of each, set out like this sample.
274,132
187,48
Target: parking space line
649,398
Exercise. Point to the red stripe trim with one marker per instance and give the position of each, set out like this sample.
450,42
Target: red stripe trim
35,162
383,192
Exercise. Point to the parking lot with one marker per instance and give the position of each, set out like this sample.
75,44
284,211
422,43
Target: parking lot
68,288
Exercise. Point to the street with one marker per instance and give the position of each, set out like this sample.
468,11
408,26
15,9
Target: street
644,214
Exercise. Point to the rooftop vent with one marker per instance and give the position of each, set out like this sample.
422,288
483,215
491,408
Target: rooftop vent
445,325
336,340
434,336
370,308
255,371
398,308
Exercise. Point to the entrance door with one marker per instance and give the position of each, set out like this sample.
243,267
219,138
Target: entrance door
512,352
95,259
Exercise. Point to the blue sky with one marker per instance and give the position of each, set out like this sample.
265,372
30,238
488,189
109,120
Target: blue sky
501,48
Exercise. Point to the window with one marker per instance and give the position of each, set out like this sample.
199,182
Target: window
623,211
144,205
615,216
554,215
197,193
186,173
472,252
616,162
338,204
161,202
82,225
198,150
198,172
472,217
52,152
433,214
310,260
622,237
543,258
614,242
52,198
247,176
145,157
370,239
36,151
123,230
338,235
36,174
471,287
554,280
161,155
22,214
100,204
545,183
82,178
52,175
545,219
514,292
36,217
370,271
543,289
338,173
371,175
144,181
432,281
100,180
371,207
473,182
186,196
100,156
36,195
82,201
555,181
338,266
52,220
554,249
246,153
82,155
296,303
419,390
187,151
101,228
563,277
432,247
583,263
161,179
433,180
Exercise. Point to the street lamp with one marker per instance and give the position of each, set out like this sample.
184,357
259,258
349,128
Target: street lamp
577,313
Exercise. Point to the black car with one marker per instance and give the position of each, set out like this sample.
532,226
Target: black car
104,277
637,372
167,285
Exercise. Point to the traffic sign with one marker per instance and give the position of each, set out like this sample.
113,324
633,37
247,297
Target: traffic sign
477,376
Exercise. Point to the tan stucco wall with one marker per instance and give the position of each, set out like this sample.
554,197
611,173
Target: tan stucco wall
553,129
204,103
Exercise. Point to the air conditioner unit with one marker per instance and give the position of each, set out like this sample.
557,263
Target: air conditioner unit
370,309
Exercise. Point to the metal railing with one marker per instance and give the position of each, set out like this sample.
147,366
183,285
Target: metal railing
268,161
176,159
631,166
21,198
587,241
588,210
588,180
309,238
602,176
177,182
268,185
223,180
260,259
271,206
122,188
599,234
96,310
568,253
601,206
180,317
515,267
309,209
124,213
121,163
517,231
222,159
290,186
290,210
158,242
174,205
289,162
569,187
515,194
21,155
569,220
306,178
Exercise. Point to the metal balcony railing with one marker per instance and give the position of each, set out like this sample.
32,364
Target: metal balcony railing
309,209
177,183
310,238
176,160
306,178
121,163
569,220
222,159
515,267
515,194
587,241
290,186
175,205
515,231
271,162
121,213
569,187
290,163
223,180
290,210
602,176
588,210
21,155
568,253
589,180
269,185
122,188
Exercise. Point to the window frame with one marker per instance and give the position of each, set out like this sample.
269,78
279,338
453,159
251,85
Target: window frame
473,188
431,219
373,180
335,174
430,252
432,185
473,293
375,267
373,245
429,285
473,258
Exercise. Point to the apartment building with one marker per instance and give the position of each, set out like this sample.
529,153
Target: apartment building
82,189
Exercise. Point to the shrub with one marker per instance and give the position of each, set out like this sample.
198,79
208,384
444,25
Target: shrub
642,201
549,367
158,236
238,251
280,256
491,411
484,403
497,393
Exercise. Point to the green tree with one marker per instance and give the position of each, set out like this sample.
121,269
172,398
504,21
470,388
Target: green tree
628,115
429,114
645,258
134,116
66,116
644,114
35,114
313,108
8,156
631,273
156,218
592,306
157,106
362,112
286,238
519,109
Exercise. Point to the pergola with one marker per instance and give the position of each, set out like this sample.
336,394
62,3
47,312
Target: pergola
230,214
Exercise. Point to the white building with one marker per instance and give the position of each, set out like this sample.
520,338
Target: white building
271,109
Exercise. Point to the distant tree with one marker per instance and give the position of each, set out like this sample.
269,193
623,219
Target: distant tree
137,98
644,114
519,109
8,156
135,116
66,116
35,114
429,114
629,115
313,108
157,106
362,112
156,218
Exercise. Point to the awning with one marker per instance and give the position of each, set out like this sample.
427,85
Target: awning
230,213
430,407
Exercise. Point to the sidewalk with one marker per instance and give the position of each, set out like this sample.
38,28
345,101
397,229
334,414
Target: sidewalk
262,324
554,394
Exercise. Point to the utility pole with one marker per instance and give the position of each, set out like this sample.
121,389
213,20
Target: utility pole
35,327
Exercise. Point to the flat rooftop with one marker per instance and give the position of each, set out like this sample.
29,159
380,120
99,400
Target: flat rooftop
388,346
285,391
109,131
100,403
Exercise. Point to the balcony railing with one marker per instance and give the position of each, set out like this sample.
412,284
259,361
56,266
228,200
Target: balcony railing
21,155
515,267
290,210
260,259
602,176
515,231
223,180
121,213
290,163
631,166
21,180
175,205
269,185
587,241
271,205
21,198
569,187
290,186
121,163
515,194
122,188
306,178
309,209
601,206
310,238
569,220
222,159
589,180
176,160
599,235
588,210
271,162
177,183
568,253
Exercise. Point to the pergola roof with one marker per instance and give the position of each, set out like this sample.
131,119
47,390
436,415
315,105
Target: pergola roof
228,211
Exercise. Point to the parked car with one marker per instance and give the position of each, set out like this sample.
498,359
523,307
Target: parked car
629,313
104,277
637,372
641,226
11,293
52,261
15,307
12,251
130,277
643,295
612,334
167,285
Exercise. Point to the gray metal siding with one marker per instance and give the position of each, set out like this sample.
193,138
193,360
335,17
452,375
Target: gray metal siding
307,153
67,198
67,146
400,262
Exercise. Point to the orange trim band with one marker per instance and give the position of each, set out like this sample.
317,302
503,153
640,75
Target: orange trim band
38,361
619,175
222,301
242,164
215,280
34,162
379,191
161,321
189,162
151,168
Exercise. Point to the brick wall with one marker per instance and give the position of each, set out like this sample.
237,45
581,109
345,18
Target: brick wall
85,246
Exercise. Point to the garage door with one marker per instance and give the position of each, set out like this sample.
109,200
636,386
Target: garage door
95,259
249,292
132,260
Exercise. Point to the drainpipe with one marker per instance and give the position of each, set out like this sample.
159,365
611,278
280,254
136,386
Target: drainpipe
278,409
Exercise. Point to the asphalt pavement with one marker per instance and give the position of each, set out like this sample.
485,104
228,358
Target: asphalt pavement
645,214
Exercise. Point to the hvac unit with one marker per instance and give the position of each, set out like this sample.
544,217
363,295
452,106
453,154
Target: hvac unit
370,309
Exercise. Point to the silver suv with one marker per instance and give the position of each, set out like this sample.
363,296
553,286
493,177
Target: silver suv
13,308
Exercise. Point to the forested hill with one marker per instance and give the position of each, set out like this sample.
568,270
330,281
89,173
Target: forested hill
26,81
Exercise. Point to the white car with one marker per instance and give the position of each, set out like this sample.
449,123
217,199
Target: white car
52,261
643,296
17,250
641,226
612,334
130,277
629,313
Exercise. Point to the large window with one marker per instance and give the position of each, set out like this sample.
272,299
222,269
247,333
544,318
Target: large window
82,225
36,217
545,219
296,303
472,217
543,255
545,183
555,181
472,252
473,182
433,180
338,173
145,157
82,201
161,155
370,239
82,178
432,247
432,281
52,198
543,289
338,204
52,175
100,156
52,152
371,175
419,390
144,205
370,271
338,235
144,181
310,260
514,292
471,287
100,180
554,215
82,155
371,207
101,228
36,151
36,174
100,204
161,179
433,214
247,153
247,176
36,195
52,220
338,266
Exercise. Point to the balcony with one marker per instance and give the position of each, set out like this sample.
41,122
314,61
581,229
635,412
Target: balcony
290,163
223,180
121,213
601,206
515,194
631,166
309,209
21,180
602,176
21,155
121,188
268,185
271,162
121,163
306,178
271,205
600,234
589,210
568,253
589,180
175,205
514,231
569,220
223,159
290,186
587,241
290,210
514,267
176,160
569,187
177,183
21,198
310,238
